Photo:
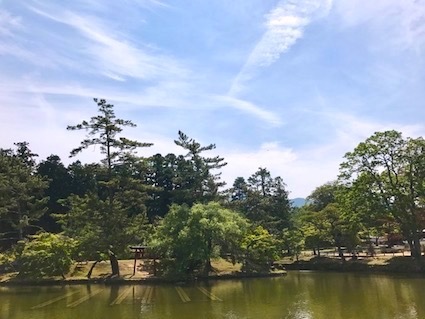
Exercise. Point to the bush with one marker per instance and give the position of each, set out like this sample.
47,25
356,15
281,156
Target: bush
46,255
7,260
261,249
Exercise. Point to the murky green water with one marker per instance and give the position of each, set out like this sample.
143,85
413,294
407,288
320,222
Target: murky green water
298,295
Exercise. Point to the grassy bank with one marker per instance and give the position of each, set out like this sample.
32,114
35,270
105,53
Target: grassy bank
144,273
381,263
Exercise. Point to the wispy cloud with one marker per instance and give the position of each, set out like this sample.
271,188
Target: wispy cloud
150,3
8,23
284,25
247,107
401,23
165,94
134,72
112,53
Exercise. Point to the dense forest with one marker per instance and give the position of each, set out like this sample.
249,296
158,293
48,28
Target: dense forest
52,215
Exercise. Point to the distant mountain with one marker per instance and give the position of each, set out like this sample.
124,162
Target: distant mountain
298,202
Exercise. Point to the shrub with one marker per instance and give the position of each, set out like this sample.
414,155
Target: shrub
46,255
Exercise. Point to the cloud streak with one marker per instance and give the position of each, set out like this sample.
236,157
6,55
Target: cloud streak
163,81
284,26
8,23
113,55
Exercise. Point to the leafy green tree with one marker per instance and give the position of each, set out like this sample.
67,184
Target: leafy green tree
343,231
390,171
293,240
326,220
322,196
46,255
191,236
103,130
22,198
260,249
314,226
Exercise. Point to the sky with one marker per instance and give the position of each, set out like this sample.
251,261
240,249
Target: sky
289,85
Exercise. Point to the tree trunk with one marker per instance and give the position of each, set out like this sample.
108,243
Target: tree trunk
340,252
91,269
114,264
416,247
208,267
318,251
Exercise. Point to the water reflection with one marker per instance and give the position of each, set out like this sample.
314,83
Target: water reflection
300,295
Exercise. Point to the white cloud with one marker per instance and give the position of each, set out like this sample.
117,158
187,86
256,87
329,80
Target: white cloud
302,171
305,168
401,23
284,26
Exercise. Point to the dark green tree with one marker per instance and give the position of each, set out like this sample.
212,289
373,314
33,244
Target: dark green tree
84,177
196,173
263,200
22,195
98,235
59,187
104,130
163,176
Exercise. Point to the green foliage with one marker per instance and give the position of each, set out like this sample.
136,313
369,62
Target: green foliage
195,171
387,173
46,255
112,220
98,225
7,261
323,196
192,236
103,130
59,187
260,249
22,199
263,200
293,240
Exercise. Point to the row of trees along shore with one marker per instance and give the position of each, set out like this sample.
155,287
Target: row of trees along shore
52,215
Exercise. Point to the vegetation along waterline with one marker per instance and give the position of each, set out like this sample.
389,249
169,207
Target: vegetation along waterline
177,207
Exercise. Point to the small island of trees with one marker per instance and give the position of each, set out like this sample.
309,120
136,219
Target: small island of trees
177,206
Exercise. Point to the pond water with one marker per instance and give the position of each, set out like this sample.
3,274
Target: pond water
299,295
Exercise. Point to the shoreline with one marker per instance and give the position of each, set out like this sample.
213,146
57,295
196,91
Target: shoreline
398,265
395,265
130,281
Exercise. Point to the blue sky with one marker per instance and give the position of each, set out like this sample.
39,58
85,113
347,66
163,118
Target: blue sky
287,85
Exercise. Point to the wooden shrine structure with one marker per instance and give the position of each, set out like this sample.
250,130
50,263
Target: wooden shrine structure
140,253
